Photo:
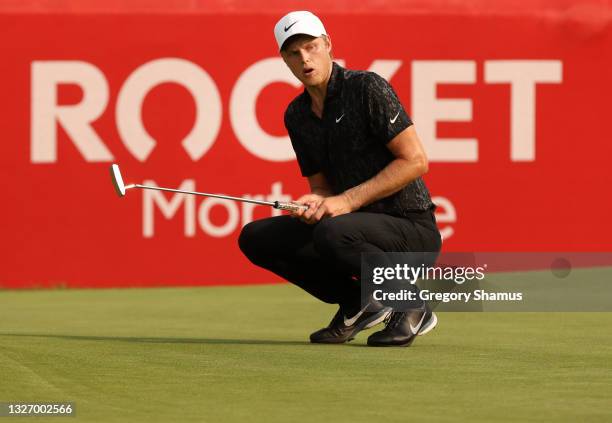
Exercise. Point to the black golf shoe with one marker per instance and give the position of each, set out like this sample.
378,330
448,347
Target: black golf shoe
403,326
343,329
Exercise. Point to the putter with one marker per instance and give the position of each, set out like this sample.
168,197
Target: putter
121,189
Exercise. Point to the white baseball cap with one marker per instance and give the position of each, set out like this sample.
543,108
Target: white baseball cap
299,22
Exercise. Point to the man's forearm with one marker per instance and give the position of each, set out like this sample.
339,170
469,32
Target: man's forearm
391,179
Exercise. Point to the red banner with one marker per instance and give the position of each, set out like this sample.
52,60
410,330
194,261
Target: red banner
511,109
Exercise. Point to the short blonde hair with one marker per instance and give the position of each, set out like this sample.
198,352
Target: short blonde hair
324,36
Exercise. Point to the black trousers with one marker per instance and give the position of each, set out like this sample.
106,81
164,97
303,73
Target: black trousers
325,259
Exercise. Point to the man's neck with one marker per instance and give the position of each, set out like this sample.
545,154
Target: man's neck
318,93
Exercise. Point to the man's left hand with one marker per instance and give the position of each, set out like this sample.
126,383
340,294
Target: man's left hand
333,206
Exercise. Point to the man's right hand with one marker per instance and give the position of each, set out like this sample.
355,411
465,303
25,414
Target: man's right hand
313,201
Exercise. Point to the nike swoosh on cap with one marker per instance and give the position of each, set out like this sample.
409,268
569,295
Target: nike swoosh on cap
340,118
287,28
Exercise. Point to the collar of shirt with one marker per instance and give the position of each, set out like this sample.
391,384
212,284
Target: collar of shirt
334,86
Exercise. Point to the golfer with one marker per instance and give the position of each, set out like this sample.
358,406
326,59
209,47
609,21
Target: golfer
363,160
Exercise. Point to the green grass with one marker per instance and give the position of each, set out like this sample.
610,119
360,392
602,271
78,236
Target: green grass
240,354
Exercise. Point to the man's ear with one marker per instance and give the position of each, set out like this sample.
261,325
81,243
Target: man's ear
329,43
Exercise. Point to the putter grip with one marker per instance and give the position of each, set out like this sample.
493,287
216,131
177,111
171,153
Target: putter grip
290,206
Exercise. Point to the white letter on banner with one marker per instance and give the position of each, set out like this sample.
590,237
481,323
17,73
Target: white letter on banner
233,217
243,112
446,213
523,75
427,109
75,118
199,84
247,208
168,208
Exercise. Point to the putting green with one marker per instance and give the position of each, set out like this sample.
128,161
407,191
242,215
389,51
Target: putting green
240,354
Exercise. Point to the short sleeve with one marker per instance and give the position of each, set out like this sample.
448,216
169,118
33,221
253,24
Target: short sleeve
387,116
306,161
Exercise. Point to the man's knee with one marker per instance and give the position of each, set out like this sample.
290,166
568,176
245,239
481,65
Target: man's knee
259,240
247,241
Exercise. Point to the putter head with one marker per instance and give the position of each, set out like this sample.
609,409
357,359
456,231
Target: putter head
117,180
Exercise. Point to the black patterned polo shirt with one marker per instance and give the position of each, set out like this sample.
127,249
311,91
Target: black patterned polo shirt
361,115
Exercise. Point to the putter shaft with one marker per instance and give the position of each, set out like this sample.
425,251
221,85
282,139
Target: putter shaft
276,204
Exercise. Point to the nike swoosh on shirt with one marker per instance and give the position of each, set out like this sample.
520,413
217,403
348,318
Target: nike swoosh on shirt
415,329
289,27
340,118
351,321
395,118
